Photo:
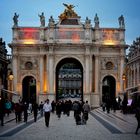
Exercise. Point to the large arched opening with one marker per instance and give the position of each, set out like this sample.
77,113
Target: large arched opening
69,80
29,89
108,88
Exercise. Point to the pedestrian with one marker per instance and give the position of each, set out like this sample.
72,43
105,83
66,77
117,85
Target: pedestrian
58,109
29,108
86,110
35,111
2,109
8,106
41,109
47,109
17,112
25,110
124,104
103,106
75,108
137,115
108,104
119,102
53,106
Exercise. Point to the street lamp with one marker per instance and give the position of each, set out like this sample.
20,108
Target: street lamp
123,78
11,77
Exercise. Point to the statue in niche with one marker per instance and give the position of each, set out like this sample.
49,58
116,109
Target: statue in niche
121,21
15,19
42,19
96,20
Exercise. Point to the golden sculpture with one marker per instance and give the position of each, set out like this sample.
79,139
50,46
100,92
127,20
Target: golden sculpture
68,12
69,7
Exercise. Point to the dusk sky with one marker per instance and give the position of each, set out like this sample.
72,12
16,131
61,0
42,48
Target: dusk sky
108,12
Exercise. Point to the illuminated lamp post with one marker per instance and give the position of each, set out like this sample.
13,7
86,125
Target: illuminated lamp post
124,80
11,77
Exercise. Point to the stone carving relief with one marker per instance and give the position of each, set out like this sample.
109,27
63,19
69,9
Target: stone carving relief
28,63
109,60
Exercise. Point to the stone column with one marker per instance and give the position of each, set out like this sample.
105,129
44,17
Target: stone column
87,82
134,75
15,69
51,74
41,73
97,74
131,80
138,74
128,78
121,73
96,95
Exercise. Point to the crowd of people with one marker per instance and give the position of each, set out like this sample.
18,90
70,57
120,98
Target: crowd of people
115,104
23,109
81,109
124,106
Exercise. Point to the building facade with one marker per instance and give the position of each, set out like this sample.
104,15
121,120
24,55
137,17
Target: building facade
68,58
3,65
133,68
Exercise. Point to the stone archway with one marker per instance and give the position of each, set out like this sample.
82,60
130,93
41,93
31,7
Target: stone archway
69,80
108,88
29,89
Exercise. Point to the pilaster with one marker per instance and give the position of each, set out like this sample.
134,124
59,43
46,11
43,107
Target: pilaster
41,73
15,72
97,74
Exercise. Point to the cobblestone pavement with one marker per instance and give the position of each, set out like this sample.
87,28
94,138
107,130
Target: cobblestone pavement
100,126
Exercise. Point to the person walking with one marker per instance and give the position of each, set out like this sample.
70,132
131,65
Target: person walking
86,110
35,111
2,109
41,109
58,109
25,110
124,104
53,106
47,109
137,115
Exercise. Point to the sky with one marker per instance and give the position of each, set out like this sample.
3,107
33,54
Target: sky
108,12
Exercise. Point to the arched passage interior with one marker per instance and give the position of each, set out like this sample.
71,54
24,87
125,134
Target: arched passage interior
69,80
108,88
29,89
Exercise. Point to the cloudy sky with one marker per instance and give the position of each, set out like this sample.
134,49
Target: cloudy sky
107,10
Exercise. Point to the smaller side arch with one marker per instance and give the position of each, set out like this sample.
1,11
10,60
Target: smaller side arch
109,89
29,89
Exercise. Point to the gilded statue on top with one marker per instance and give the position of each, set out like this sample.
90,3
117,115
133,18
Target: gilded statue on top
69,7
68,12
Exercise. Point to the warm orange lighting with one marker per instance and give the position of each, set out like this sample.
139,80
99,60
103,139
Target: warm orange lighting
28,33
30,41
123,77
109,42
75,37
11,77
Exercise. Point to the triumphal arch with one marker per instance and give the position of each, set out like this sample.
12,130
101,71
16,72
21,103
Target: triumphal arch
68,59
